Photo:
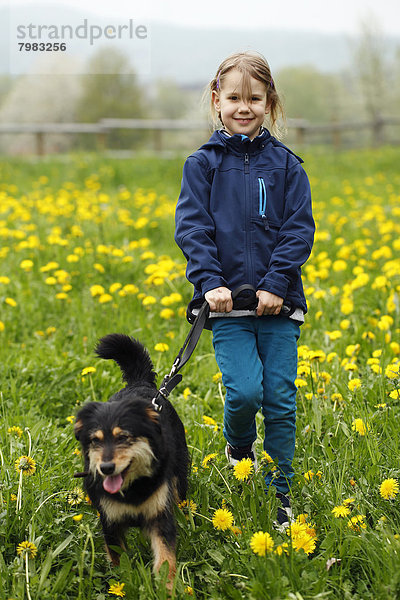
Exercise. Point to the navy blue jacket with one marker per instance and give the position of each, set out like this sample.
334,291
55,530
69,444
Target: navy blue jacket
244,216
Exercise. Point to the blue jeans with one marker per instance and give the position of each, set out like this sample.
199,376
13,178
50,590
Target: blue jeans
258,361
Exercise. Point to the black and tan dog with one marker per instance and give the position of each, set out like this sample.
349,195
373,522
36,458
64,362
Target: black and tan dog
136,458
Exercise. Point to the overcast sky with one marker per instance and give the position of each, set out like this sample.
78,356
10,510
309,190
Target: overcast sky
315,15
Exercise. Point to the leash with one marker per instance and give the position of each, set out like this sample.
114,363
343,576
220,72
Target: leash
171,380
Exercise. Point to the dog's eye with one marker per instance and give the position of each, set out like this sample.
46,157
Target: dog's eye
122,439
96,441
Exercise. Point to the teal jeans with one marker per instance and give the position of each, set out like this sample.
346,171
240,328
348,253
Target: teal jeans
258,361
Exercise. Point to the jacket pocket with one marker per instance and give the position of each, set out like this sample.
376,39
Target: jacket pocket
262,202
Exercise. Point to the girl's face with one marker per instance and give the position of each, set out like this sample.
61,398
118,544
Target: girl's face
239,114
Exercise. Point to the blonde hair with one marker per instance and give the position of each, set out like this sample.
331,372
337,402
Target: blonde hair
250,64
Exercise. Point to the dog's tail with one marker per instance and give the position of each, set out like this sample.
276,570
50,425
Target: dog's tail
129,354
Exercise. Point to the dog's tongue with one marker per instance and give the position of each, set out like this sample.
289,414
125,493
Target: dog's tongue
112,484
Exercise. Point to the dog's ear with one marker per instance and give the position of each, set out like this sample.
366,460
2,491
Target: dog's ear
152,414
82,417
78,428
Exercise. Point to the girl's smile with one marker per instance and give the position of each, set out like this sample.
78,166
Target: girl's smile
240,114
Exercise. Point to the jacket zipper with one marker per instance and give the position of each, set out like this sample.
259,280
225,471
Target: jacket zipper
262,199
246,163
249,262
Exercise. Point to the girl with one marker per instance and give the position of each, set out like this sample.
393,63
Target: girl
244,217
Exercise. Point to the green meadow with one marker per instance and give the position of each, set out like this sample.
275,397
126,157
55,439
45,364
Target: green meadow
86,249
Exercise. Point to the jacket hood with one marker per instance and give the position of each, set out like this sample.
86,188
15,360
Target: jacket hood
243,144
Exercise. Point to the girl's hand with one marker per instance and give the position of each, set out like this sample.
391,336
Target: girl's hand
219,299
268,304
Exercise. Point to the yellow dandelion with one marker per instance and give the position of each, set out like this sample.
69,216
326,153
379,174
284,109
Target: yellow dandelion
96,290
222,519
104,298
188,504
10,302
71,419
207,459
26,265
77,518
217,377
26,465
26,548
261,543
161,347
359,426
243,469
50,280
389,488
117,589
2,326
167,313
340,511
296,530
210,421
304,542
354,384
392,371
15,430
348,501
188,590
282,549
299,382
76,496
357,523
88,370
148,300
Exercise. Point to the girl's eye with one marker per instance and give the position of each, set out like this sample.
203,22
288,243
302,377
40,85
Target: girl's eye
255,99
233,98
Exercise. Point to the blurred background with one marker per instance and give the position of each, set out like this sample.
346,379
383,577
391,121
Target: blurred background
336,65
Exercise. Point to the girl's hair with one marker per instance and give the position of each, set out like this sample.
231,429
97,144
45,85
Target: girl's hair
250,64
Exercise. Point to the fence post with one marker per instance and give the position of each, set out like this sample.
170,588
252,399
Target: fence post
378,131
157,139
39,143
336,135
300,135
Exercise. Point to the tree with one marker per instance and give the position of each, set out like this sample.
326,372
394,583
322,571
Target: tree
115,94
371,67
309,94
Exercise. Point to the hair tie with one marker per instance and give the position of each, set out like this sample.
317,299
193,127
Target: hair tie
272,83
219,73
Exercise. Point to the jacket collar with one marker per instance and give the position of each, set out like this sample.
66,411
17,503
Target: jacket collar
239,143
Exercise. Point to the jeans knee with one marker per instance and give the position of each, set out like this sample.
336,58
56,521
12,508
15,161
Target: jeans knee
244,401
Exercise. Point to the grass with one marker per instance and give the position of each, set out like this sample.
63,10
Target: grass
87,249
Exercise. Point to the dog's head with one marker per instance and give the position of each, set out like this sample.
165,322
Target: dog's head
121,440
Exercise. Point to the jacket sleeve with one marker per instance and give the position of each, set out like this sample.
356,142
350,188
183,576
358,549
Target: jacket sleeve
195,228
295,237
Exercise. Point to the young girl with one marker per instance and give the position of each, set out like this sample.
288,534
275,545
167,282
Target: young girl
244,217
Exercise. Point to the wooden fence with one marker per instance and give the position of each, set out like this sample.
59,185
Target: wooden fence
301,131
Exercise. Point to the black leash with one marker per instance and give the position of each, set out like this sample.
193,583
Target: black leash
171,380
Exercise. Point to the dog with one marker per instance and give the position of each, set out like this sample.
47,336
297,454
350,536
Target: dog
136,458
